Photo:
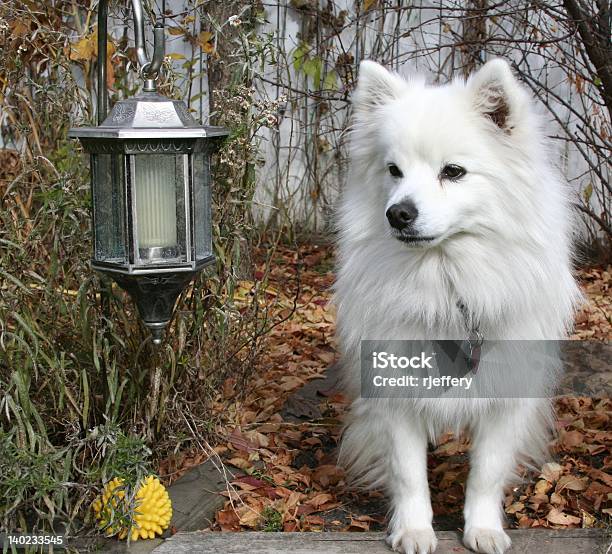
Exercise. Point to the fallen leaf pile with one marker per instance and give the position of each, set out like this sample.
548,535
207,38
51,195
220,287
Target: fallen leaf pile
594,320
576,489
280,441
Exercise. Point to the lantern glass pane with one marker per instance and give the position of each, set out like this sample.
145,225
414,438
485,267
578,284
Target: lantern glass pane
108,208
202,206
158,189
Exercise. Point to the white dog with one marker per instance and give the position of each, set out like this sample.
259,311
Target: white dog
453,220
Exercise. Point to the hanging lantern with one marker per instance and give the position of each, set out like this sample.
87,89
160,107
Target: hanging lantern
150,182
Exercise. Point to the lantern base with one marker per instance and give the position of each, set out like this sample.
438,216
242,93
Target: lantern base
155,297
157,330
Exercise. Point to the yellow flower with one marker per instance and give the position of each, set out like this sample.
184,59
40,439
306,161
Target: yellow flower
152,510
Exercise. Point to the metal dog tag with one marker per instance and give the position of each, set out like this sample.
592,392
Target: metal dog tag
473,357
473,350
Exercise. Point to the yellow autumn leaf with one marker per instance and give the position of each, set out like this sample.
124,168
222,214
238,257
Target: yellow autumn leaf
176,31
588,520
367,4
110,70
84,49
175,56
204,37
204,40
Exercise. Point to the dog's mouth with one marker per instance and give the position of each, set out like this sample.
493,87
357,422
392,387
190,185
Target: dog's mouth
414,239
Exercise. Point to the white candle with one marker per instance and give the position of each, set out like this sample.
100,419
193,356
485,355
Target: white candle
154,178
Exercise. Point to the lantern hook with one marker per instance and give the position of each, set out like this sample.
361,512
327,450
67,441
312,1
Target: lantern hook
149,69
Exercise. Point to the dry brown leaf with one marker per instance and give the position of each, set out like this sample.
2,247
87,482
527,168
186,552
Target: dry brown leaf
290,382
451,448
240,442
326,357
525,522
572,483
542,486
327,474
558,517
571,439
248,516
240,463
557,499
19,28
358,525
319,499
601,476
228,519
515,507
292,501
314,520
290,526
551,471
251,481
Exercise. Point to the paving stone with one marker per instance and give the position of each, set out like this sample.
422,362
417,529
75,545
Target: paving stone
195,497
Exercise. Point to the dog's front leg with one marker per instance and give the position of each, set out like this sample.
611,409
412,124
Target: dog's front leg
410,529
496,442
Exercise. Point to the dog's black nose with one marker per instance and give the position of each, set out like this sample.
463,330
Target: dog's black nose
402,214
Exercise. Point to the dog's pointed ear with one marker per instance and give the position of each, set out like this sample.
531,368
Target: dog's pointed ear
376,86
496,94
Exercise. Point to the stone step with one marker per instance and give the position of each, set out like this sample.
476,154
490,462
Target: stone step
524,541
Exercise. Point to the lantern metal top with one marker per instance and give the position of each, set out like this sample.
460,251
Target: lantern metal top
149,115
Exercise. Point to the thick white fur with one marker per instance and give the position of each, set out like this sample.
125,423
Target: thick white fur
503,248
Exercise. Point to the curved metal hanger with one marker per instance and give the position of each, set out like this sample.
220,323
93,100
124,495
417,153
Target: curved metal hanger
149,69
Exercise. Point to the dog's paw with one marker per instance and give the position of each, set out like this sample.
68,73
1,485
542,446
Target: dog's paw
413,541
486,541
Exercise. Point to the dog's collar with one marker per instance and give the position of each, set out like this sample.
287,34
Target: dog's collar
470,323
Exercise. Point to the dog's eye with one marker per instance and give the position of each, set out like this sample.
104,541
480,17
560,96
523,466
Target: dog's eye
452,171
395,171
